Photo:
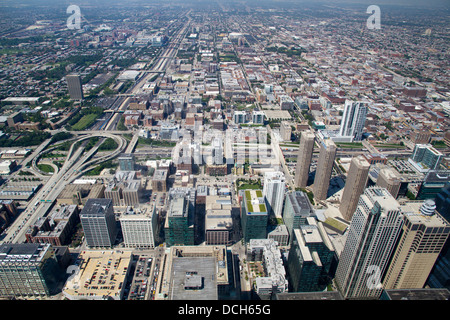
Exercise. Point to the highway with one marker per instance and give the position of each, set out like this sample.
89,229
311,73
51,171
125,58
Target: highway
75,165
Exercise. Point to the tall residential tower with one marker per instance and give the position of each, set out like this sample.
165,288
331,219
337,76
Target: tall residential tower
305,152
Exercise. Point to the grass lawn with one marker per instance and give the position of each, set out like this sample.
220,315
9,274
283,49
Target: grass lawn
46,168
85,122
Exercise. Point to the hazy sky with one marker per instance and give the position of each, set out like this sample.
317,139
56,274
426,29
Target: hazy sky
422,3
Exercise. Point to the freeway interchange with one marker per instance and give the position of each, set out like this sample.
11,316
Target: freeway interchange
76,164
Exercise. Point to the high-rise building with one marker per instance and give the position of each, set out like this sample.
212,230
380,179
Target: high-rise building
273,190
305,152
254,215
372,236
126,162
354,186
310,258
139,227
28,269
389,179
424,233
98,222
285,131
353,120
179,226
425,157
74,86
324,169
297,209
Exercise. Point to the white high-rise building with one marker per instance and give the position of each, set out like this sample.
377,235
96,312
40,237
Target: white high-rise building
372,236
139,227
274,190
353,120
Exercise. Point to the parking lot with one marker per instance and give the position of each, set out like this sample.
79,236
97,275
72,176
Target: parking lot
141,276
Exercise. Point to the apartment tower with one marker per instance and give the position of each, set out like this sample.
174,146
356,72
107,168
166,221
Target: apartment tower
324,169
305,152
354,186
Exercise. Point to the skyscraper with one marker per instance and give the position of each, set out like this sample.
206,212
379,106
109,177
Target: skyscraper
354,186
179,226
29,269
297,209
138,227
74,86
371,239
424,233
310,258
254,215
305,152
390,180
324,169
274,190
353,120
98,222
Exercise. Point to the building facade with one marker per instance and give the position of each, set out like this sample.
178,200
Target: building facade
424,234
324,169
354,186
371,239
28,269
305,152
273,191
353,120
98,222
254,215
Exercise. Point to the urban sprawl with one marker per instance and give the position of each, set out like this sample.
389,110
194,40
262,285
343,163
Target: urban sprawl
224,151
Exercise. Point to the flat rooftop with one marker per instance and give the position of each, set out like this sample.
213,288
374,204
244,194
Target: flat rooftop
204,269
101,273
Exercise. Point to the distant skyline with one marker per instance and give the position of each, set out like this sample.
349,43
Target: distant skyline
423,3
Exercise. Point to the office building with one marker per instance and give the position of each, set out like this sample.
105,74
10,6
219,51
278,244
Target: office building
179,225
98,222
194,273
424,234
139,227
370,242
353,120
310,258
74,86
305,152
273,191
126,162
354,186
254,215
218,219
440,275
433,182
324,169
389,179
29,270
297,209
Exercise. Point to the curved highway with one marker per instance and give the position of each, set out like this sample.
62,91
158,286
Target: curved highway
72,168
